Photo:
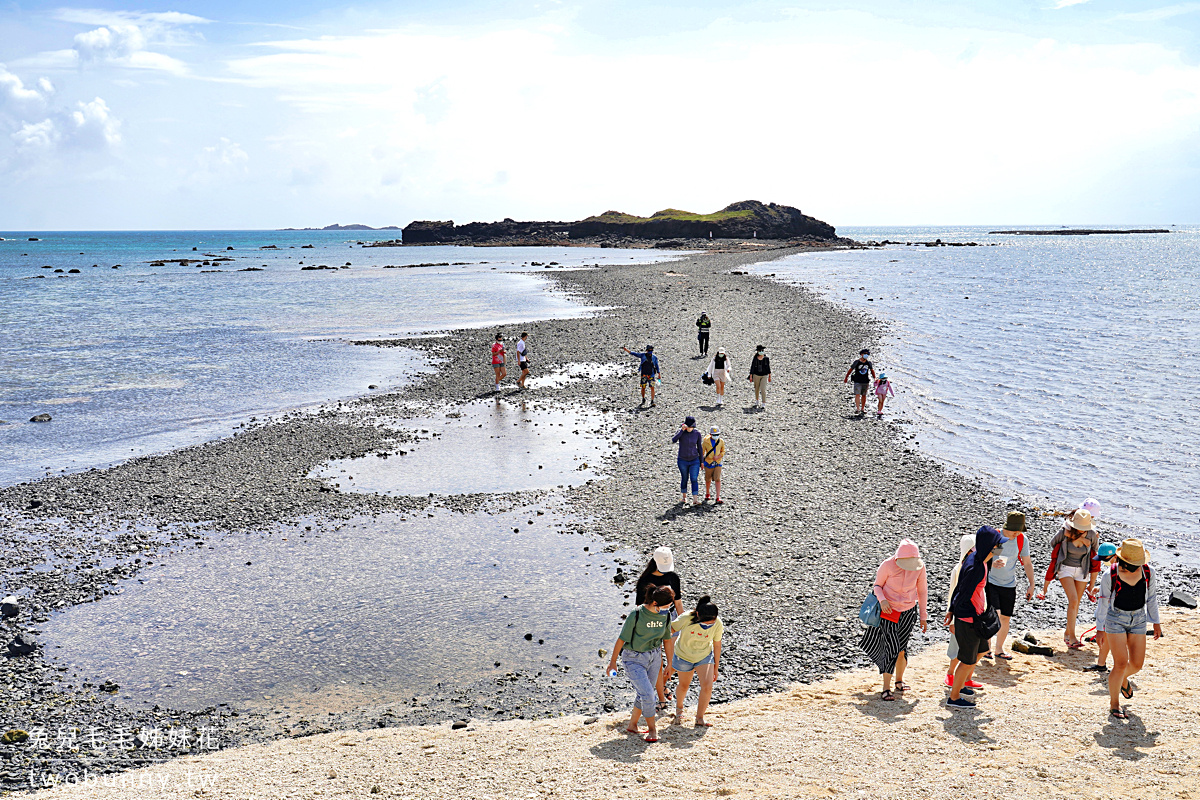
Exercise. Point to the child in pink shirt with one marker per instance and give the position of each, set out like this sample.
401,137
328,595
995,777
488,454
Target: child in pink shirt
883,387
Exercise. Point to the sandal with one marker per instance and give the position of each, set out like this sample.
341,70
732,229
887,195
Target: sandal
661,705
1117,713
1127,689
901,686
1005,656
648,739
887,695
1075,645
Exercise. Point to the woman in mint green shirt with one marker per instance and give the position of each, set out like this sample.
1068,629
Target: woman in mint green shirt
639,646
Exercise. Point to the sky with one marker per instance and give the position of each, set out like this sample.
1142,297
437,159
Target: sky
221,114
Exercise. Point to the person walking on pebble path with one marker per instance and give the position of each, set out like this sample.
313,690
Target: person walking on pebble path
523,359
712,454
703,329
967,605
648,370
498,359
1129,591
760,375
688,459
718,370
660,571
863,372
698,652
965,546
1106,554
902,589
1002,577
883,387
640,645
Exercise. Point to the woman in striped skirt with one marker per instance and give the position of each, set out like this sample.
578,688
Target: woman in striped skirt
902,591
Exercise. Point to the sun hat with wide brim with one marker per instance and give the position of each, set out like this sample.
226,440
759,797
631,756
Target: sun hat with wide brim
1132,551
1081,520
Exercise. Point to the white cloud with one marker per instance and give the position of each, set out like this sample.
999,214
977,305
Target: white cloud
123,39
225,156
89,127
1066,3
17,99
1159,14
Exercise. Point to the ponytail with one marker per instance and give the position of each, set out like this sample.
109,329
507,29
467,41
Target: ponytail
705,611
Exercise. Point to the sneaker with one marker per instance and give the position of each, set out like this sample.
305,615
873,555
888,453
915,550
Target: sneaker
960,703
720,502
967,692
1096,668
973,685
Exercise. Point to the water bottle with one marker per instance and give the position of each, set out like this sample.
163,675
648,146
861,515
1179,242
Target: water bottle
612,673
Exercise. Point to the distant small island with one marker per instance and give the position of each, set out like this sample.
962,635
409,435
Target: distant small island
355,227
745,220
1079,231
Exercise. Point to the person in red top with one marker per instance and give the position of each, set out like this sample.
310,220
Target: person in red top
498,358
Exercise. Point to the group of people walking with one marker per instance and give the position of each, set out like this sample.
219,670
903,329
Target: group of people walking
981,600
659,638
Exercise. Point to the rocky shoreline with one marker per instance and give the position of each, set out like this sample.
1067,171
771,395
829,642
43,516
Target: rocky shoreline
815,498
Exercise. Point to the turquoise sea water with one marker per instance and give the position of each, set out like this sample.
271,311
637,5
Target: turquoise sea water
144,358
1056,367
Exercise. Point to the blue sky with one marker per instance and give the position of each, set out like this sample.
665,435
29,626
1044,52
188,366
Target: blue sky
247,115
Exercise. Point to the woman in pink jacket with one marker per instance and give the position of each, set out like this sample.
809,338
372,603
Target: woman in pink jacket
902,591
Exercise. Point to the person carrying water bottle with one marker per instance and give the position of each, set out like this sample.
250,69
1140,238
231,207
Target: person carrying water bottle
643,635
648,370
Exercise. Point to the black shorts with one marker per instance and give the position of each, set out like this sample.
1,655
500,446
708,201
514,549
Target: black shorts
525,363
969,643
1001,598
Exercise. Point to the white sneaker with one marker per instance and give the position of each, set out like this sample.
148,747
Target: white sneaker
720,400
497,387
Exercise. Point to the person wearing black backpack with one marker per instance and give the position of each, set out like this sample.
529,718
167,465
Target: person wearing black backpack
974,622
1129,592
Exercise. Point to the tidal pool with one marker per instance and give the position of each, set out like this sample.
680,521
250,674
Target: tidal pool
489,446
334,616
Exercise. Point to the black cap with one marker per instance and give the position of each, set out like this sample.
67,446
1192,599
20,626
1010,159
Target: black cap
689,421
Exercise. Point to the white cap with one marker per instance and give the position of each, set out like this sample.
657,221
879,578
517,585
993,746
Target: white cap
664,559
1092,506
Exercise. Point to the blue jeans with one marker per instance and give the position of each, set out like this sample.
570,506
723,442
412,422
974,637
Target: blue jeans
642,669
689,469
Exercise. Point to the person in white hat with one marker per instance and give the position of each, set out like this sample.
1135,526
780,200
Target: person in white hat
1129,592
1073,556
660,571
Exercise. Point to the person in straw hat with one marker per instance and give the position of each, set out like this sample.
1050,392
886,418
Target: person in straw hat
902,591
1129,592
1072,560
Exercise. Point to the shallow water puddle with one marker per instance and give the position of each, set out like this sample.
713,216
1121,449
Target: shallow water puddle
573,373
349,614
501,445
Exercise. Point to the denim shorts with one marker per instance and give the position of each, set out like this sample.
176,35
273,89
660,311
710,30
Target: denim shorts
1119,621
682,665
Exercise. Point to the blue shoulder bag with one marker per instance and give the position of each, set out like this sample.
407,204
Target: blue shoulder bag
869,612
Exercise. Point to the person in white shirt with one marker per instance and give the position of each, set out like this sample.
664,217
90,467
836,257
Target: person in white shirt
523,360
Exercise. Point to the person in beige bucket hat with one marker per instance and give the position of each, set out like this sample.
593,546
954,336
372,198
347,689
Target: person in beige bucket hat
1129,597
1073,554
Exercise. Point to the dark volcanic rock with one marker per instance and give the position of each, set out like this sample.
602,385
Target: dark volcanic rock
744,220
10,606
430,232
40,418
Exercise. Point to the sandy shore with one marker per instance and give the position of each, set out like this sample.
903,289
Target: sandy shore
1041,730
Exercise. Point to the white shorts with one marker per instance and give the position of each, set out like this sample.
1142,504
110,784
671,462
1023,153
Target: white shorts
1078,573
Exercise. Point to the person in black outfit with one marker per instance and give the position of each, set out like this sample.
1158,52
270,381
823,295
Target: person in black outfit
704,326
660,571
863,372
760,375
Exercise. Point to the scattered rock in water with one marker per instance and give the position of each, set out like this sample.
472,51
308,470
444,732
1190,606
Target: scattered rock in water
1182,598
20,647
372,386
72,272
40,418
10,606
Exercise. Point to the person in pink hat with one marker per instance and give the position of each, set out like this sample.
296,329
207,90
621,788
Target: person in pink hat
903,593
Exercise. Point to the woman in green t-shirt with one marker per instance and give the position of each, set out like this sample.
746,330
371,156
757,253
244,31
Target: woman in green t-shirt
640,645
697,650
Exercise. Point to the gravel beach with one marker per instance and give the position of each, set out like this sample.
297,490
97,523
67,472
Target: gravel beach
815,499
